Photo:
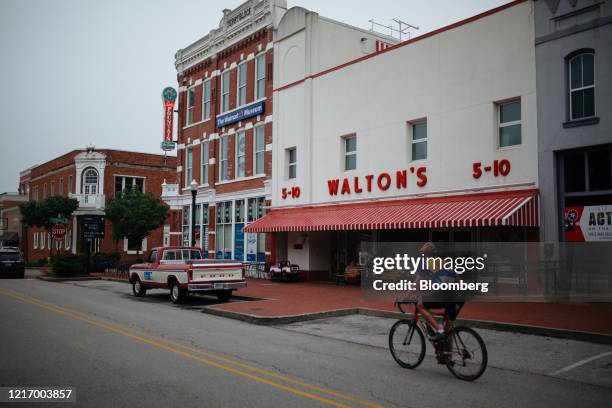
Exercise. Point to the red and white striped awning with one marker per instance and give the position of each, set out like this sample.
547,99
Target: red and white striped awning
508,208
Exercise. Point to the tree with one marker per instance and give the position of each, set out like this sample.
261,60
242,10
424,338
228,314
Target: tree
39,214
134,214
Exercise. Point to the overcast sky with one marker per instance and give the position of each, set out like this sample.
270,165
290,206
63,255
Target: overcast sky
80,72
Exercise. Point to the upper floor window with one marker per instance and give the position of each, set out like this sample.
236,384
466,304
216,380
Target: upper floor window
242,83
52,188
259,151
350,152
125,183
61,186
240,154
260,76
291,163
509,123
188,165
225,90
223,147
69,189
190,104
90,181
418,132
206,100
582,86
205,160
35,193
44,190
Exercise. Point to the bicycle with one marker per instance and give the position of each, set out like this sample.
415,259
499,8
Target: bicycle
462,350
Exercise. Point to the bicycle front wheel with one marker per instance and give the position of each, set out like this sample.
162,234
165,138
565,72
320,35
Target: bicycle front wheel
467,358
407,343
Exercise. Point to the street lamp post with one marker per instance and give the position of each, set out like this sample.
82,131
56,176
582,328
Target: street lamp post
194,191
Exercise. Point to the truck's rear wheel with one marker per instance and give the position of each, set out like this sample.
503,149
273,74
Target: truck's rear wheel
138,289
224,295
177,295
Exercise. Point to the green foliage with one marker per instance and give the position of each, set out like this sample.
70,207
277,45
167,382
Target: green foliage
69,265
39,214
37,263
103,261
134,214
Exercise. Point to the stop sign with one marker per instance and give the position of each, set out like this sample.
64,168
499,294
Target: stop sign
58,231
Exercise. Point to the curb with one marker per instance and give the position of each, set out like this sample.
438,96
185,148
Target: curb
67,279
590,337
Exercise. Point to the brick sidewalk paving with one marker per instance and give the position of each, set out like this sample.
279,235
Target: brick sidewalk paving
287,299
290,299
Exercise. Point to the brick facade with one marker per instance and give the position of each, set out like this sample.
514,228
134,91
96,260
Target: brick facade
61,177
244,48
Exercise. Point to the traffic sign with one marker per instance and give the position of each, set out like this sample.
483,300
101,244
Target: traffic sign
58,231
93,226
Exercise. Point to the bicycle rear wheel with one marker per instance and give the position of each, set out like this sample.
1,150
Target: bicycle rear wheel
468,358
407,343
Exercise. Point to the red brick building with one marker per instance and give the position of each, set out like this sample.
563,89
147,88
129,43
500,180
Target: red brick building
92,176
225,133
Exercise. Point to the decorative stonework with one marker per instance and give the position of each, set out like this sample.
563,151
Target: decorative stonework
237,24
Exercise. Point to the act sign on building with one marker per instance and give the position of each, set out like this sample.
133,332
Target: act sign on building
591,223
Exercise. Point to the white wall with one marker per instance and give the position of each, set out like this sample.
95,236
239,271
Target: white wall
453,78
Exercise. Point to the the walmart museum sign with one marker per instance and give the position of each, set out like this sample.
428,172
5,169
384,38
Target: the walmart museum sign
242,113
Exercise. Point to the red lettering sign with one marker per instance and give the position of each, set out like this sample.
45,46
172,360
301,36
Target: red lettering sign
383,181
499,168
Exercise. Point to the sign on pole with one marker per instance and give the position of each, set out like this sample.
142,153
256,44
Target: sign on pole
93,226
168,98
58,231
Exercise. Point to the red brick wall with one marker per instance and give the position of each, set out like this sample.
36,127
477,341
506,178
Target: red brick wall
154,168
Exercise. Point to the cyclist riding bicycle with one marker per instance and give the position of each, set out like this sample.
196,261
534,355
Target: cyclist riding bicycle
435,272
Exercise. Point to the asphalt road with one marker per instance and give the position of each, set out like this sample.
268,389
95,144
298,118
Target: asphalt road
121,351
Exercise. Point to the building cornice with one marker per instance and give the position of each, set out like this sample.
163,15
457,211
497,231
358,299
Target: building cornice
236,25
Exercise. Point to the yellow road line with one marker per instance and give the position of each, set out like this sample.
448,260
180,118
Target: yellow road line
165,346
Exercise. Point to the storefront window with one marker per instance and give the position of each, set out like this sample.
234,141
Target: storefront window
223,235
600,174
186,222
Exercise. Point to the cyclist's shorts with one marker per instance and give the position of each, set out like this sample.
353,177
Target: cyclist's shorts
450,308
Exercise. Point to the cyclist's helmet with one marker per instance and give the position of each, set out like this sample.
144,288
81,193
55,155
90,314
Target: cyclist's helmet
428,248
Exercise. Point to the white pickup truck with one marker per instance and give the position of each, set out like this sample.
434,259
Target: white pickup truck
183,270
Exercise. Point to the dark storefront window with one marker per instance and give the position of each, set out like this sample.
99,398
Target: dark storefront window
588,170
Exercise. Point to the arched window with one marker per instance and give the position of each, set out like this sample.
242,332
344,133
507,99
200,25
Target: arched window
581,73
90,181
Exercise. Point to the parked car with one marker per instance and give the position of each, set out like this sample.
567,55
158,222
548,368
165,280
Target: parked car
285,270
12,264
184,271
